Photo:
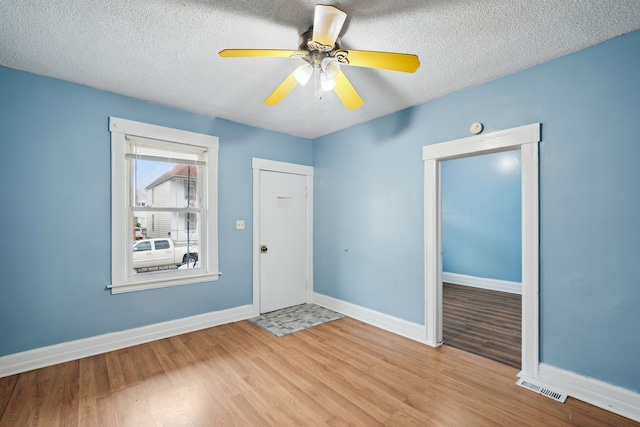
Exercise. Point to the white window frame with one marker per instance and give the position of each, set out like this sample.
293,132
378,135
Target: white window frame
123,278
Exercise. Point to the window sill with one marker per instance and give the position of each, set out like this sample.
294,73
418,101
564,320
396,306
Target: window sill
158,284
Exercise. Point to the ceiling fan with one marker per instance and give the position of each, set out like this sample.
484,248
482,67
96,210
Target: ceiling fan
320,48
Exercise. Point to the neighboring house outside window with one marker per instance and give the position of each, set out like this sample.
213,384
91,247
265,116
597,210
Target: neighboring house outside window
170,177
169,188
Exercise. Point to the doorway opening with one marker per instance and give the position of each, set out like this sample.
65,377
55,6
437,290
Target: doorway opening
526,139
481,255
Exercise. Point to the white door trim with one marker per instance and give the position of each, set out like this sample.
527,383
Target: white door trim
525,138
270,165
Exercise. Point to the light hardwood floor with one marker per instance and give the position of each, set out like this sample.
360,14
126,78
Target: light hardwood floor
341,373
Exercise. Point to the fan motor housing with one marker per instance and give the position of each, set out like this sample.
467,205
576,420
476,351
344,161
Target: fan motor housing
316,52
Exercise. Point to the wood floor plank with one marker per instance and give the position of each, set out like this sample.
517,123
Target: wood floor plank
7,385
251,412
132,408
106,412
187,375
164,408
297,379
374,400
22,401
69,387
300,385
341,373
122,372
94,385
145,362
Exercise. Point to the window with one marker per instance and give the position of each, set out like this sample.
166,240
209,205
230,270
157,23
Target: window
162,244
175,171
142,246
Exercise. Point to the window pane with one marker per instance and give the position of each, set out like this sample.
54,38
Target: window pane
166,184
173,236
171,243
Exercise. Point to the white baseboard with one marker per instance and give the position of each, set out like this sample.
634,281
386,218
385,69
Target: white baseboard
484,283
393,324
597,393
60,353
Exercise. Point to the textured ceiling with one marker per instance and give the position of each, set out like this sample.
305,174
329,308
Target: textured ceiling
165,51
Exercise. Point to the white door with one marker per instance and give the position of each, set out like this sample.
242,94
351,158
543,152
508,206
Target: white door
283,240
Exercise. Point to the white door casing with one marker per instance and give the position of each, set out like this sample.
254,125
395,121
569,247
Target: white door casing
525,138
282,221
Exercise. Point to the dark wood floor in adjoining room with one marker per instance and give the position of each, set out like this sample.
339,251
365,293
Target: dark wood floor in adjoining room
341,373
484,322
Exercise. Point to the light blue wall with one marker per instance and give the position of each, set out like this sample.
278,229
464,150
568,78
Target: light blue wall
55,213
481,216
369,201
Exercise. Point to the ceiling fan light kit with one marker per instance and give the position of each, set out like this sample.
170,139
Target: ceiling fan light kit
320,49
326,83
303,73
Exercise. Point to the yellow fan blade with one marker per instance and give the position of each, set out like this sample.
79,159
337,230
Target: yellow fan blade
281,91
347,93
327,24
277,53
386,60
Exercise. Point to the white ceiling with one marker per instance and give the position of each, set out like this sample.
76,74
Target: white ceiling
165,51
